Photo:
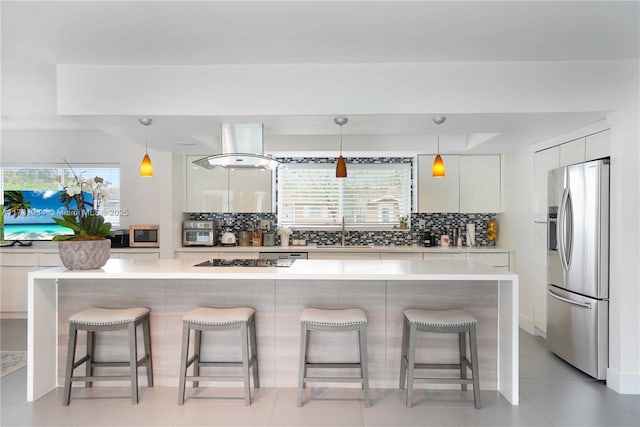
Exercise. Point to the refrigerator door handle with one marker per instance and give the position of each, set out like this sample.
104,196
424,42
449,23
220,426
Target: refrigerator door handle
567,300
568,244
561,230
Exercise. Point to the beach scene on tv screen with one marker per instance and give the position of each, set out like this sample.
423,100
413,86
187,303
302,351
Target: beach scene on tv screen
38,223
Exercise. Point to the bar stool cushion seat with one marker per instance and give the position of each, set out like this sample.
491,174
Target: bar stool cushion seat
108,316
440,318
339,317
219,316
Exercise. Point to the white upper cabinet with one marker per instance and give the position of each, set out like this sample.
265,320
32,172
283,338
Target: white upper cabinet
438,194
572,152
227,190
544,161
250,190
207,189
598,145
480,184
471,184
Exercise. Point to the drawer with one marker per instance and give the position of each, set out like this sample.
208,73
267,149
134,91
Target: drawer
344,255
49,260
460,256
494,259
15,260
401,255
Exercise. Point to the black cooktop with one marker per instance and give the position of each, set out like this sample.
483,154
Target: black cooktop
215,262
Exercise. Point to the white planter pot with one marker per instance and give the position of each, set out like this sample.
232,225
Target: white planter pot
284,240
84,254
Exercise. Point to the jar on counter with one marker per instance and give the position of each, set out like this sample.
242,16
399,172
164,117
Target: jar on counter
492,230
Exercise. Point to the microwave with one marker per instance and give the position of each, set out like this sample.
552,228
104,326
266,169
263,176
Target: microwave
144,236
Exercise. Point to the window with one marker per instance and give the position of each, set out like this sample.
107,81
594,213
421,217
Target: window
39,193
373,196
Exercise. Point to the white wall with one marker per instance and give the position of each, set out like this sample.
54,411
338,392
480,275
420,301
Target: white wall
148,200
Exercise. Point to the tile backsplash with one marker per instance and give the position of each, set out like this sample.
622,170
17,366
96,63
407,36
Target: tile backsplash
437,223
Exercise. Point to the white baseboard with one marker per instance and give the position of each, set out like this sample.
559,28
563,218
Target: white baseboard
13,315
526,324
623,383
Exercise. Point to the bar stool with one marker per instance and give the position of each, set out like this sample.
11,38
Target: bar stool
351,319
108,319
217,319
442,321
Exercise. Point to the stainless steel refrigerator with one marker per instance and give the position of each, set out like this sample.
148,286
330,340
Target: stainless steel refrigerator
578,265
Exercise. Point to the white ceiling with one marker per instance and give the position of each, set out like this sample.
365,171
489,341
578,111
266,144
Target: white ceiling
38,35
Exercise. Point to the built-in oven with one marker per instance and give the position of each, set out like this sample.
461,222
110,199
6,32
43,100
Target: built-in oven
199,233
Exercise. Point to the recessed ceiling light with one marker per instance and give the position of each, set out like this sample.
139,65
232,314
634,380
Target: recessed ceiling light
185,143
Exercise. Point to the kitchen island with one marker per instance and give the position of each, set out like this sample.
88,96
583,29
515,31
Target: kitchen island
383,288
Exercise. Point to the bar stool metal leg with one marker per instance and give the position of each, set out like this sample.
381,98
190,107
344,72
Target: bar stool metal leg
403,354
147,348
364,363
254,351
71,355
302,371
412,365
474,364
183,362
90,350
133,362
462,344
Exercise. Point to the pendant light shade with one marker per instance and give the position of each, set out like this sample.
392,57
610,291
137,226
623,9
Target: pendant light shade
438,167
437,170
341,166
146,168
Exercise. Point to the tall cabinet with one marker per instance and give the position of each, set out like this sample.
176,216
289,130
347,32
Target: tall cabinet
589,147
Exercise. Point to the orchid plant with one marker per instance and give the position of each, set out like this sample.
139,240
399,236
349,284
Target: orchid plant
85,221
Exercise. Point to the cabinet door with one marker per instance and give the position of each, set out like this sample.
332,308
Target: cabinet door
344,255
438,194
250,190
572,152
598,145
544,161
480,184
401,255
207,189
13,291
494,259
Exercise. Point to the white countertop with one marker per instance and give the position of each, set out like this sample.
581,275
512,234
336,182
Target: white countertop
300,270
346,248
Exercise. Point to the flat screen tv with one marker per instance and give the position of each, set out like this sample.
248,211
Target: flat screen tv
38,223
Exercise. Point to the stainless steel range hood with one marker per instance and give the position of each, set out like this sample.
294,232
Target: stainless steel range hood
241,147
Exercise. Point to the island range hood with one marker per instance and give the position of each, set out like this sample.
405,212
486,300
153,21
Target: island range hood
241,147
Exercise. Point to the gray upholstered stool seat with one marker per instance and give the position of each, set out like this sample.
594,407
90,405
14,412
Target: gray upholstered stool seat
94,320
216,319
442,321
350,319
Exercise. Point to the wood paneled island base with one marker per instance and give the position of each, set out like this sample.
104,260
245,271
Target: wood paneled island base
383,289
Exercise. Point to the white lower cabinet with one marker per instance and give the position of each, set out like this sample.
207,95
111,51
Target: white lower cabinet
401,255
127,254
345,255
429,256
497,260
14,269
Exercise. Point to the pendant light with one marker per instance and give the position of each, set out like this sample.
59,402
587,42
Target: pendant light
438,165
146,168
341,166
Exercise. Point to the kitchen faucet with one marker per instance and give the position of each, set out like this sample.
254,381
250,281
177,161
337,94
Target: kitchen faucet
343,230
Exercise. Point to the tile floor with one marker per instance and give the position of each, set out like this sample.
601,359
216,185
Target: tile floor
552,394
